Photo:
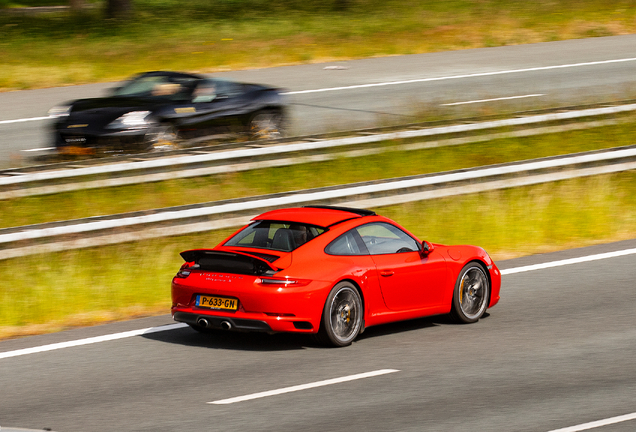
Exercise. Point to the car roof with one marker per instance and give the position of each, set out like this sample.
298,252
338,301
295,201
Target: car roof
169,74
322,216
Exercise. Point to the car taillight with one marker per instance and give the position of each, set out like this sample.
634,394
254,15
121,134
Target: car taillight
182,274
282,282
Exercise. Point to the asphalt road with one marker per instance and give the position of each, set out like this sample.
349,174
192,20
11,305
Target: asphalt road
557,351
391,90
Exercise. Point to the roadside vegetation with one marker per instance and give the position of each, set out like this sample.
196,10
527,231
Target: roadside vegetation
62,48
89,286
388,164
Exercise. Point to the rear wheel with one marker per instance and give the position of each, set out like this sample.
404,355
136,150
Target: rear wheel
471,295
266,125
342,316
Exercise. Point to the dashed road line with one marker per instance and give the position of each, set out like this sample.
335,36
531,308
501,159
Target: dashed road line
92,340
569,261
303,387
494,99
473,75
23,120
598,423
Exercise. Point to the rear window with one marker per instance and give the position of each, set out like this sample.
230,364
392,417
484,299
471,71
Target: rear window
274,235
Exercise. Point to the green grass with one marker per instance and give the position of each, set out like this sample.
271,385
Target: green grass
88,286
64,206
523,221
59,49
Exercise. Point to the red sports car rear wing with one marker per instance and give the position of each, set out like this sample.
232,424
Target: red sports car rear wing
228,262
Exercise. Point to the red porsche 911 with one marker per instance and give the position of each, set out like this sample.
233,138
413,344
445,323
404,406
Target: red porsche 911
329,271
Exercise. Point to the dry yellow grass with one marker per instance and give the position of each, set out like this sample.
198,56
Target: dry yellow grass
41,51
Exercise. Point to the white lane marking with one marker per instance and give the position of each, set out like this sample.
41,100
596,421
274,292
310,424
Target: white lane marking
38,149
569,261
23,120
494,99
597,424
303,387
91,340
149,330
443,78
473,75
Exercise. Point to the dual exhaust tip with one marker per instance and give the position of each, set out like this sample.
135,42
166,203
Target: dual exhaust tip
225,325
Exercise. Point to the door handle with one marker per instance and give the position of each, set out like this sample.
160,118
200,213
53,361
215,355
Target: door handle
386,273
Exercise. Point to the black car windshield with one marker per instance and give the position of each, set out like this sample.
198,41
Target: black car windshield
282,236
161,86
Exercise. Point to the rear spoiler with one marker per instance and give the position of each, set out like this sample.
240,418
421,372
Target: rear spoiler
228,262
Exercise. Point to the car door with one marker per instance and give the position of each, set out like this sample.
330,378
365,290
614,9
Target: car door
214,108
408,279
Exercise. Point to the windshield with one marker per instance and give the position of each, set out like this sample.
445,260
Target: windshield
168,87
282,236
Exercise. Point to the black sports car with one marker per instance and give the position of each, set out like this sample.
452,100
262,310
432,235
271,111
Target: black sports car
161,109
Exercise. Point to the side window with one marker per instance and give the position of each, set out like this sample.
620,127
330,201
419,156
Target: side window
347,244
383,238
227,88
205,92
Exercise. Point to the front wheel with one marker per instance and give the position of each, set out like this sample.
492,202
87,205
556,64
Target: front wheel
162,137
342,316
471,295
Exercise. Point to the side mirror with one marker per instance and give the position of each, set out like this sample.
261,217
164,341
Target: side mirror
427,247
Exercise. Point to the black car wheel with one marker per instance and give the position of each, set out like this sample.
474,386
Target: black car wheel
163,137
266,125
342,316
471,295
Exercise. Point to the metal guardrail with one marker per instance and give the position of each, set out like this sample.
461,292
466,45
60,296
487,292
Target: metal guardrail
95,231
206,160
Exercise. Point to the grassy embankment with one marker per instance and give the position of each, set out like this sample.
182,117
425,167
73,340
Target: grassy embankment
388,164
59,49
94,285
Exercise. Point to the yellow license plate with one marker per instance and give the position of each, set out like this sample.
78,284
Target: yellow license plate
70,150
217,302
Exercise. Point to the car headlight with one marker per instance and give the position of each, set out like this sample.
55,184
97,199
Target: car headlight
133,119
60,111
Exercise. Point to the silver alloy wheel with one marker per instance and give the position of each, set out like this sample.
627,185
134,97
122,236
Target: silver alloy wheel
266,125
162,137
473,292
345,315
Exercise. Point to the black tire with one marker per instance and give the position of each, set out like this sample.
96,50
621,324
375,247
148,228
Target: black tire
471,295
266,124
342,316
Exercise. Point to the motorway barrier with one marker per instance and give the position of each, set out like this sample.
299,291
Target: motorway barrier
202,161
95,231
